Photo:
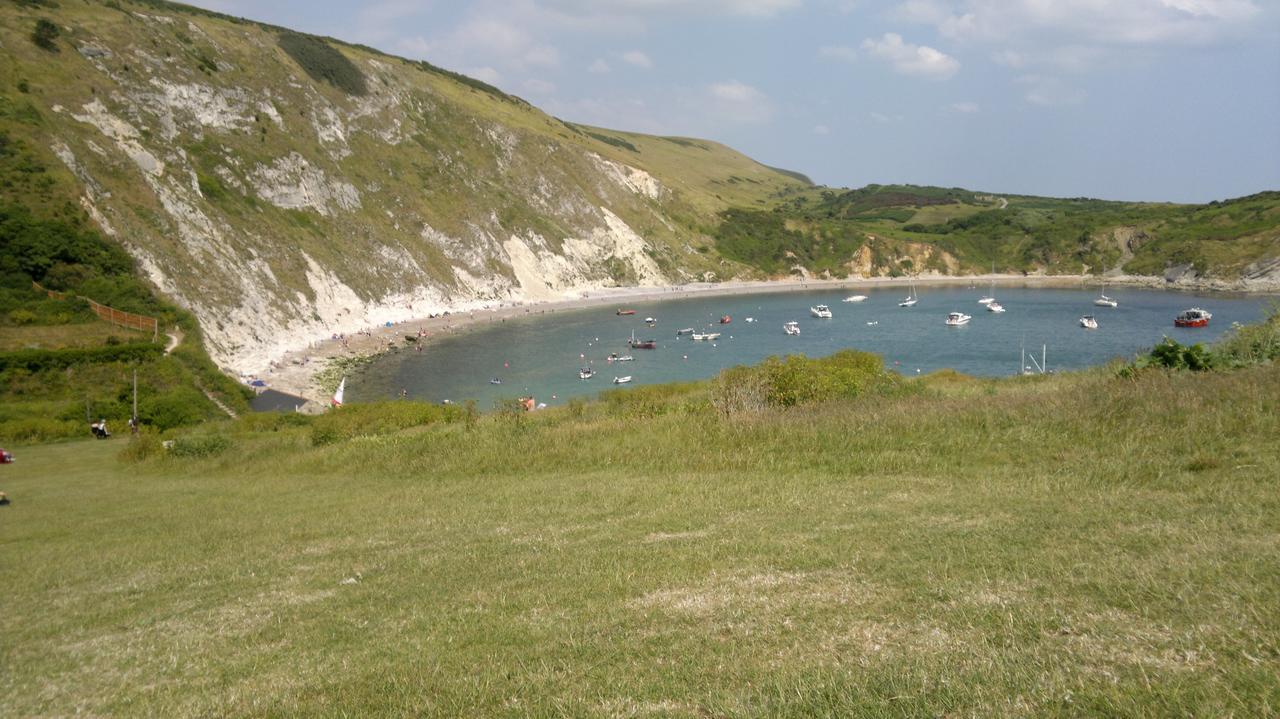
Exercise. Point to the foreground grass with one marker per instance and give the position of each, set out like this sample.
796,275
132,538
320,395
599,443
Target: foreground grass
1075,545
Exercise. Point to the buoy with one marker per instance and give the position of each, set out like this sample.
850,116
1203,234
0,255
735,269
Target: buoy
686,356
505,365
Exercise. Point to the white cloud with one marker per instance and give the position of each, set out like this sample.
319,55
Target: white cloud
734,101
1107,22
734,91
485,74
838,52
965,108
909,59
534,86
746,8
599,67
821,130
1050,91
636,58
884,119
542,56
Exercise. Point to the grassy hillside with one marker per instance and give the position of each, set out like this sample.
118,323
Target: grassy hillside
1080,544
887,229
60,364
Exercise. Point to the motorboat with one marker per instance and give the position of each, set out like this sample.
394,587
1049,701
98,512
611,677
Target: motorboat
726,319
586,373
994,306
821,312
1194,317
685,331
650,321
854,298
1089,322
706,336
986,300
955,319
643,344
622,380
791,328
495,380
626,312
750,319
615,357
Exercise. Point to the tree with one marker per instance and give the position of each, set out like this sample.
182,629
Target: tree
45,35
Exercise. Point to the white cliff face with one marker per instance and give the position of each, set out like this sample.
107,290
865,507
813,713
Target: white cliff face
293,183
193,172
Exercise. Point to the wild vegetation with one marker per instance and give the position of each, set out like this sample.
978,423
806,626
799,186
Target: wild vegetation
822,229
1090,543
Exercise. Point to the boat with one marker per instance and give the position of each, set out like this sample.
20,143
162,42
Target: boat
1194,317
955,319
910,299
821,312
994,306
586,373
1103,300
791,328
873,323
750,319
685,331
650,321
495,380
726,320
622,380
643,344
1089,322
706,336
854,298
991,296
615,357
338,395
626,312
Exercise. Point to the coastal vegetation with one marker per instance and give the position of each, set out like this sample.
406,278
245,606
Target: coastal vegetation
1099,542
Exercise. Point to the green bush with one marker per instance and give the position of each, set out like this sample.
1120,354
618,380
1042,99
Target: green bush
1252,344
324,63
36,360
41,429
142,447
797,380
178,407
377,418
200,445
45,35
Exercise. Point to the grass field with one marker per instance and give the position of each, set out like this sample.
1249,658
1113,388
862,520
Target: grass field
88,334
1050,546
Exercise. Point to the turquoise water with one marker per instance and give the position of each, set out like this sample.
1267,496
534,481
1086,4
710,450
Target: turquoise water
539,354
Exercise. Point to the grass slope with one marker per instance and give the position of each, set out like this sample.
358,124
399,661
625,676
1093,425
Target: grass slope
1050,546
907,228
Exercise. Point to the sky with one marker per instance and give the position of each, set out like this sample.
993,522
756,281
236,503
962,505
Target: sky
1164,100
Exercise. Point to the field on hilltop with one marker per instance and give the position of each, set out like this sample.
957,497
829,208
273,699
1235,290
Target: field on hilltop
1093,543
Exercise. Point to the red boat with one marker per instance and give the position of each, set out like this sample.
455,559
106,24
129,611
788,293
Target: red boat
626,312
726,320
1194,317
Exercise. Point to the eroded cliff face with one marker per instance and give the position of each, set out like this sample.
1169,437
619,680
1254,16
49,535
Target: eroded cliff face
280,209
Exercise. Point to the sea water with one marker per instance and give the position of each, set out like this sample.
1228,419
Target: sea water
539,354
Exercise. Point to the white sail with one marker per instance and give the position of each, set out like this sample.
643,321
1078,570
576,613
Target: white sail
337,396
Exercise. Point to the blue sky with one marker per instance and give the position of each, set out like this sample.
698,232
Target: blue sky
1122,99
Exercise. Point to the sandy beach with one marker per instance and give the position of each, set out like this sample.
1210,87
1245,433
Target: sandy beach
295,373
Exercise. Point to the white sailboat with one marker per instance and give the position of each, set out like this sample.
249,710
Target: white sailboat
1103,300
337,396
991,296
911,299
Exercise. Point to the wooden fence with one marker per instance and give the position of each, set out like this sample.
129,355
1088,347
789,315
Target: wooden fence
111,314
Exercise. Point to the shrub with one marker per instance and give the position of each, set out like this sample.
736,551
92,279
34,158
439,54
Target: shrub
45,35
377,418
141,448
41,429
796,380
200,445
1253,344
35,360
322,62
179,407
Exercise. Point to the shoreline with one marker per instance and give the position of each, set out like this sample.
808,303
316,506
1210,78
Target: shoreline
296,371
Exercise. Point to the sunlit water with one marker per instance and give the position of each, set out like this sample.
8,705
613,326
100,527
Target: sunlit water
540,354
